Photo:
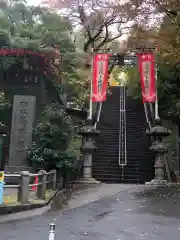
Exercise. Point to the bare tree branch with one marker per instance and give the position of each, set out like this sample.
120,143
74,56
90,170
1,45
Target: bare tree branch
97,18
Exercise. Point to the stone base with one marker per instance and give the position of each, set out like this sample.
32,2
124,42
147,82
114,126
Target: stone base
88,181
177,178
156,182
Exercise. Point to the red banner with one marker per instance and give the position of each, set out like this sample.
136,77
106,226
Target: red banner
100,77
147,76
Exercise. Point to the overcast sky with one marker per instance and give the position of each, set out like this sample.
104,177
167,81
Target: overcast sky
33,2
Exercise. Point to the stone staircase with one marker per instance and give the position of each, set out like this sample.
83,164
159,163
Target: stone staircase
106,168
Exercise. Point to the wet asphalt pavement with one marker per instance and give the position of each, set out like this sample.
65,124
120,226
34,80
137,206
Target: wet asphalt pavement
132,214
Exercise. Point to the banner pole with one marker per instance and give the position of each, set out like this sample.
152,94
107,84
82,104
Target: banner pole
98,115
156,102
146,115
91,87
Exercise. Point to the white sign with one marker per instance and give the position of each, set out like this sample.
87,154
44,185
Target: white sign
146,72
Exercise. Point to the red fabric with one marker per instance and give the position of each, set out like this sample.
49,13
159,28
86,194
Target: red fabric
19,52
100,77
147,76
34,188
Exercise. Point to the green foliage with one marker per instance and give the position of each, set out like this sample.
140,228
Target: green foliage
166,37
4,109
168,88
169,91
133,82
43,30
55,138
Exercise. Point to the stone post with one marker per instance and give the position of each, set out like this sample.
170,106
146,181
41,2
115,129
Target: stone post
41,189
1,153
87,165
88,147
2,157
23,191
54,180
59,179
158,132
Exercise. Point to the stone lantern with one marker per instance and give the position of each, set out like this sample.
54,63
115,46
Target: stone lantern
158,132
88,147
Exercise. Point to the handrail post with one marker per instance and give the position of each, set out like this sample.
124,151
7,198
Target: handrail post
59,179
23,191
54,180
41,189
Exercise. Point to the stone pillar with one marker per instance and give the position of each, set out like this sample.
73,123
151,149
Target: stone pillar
158,132
23,191
41,189
87,166
1,152
54,180
2,157
88,147
21,132
159,167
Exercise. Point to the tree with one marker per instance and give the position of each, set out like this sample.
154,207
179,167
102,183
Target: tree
4,110
95,19
42,30
98,25
168,65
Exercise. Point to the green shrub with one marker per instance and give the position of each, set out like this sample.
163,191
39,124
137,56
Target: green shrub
55,137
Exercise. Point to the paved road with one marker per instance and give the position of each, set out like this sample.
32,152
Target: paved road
132,214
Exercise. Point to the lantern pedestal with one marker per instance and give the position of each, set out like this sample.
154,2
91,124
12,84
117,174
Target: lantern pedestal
158,132
88,147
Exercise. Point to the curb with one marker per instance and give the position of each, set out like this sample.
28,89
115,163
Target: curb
12,213
24,214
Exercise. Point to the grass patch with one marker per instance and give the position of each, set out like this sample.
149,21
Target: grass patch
12,200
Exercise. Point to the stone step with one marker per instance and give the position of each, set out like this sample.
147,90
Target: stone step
112,155
110,165
116,165
111,140
122,180
117,131
120,176
106,157
114,146
115,172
